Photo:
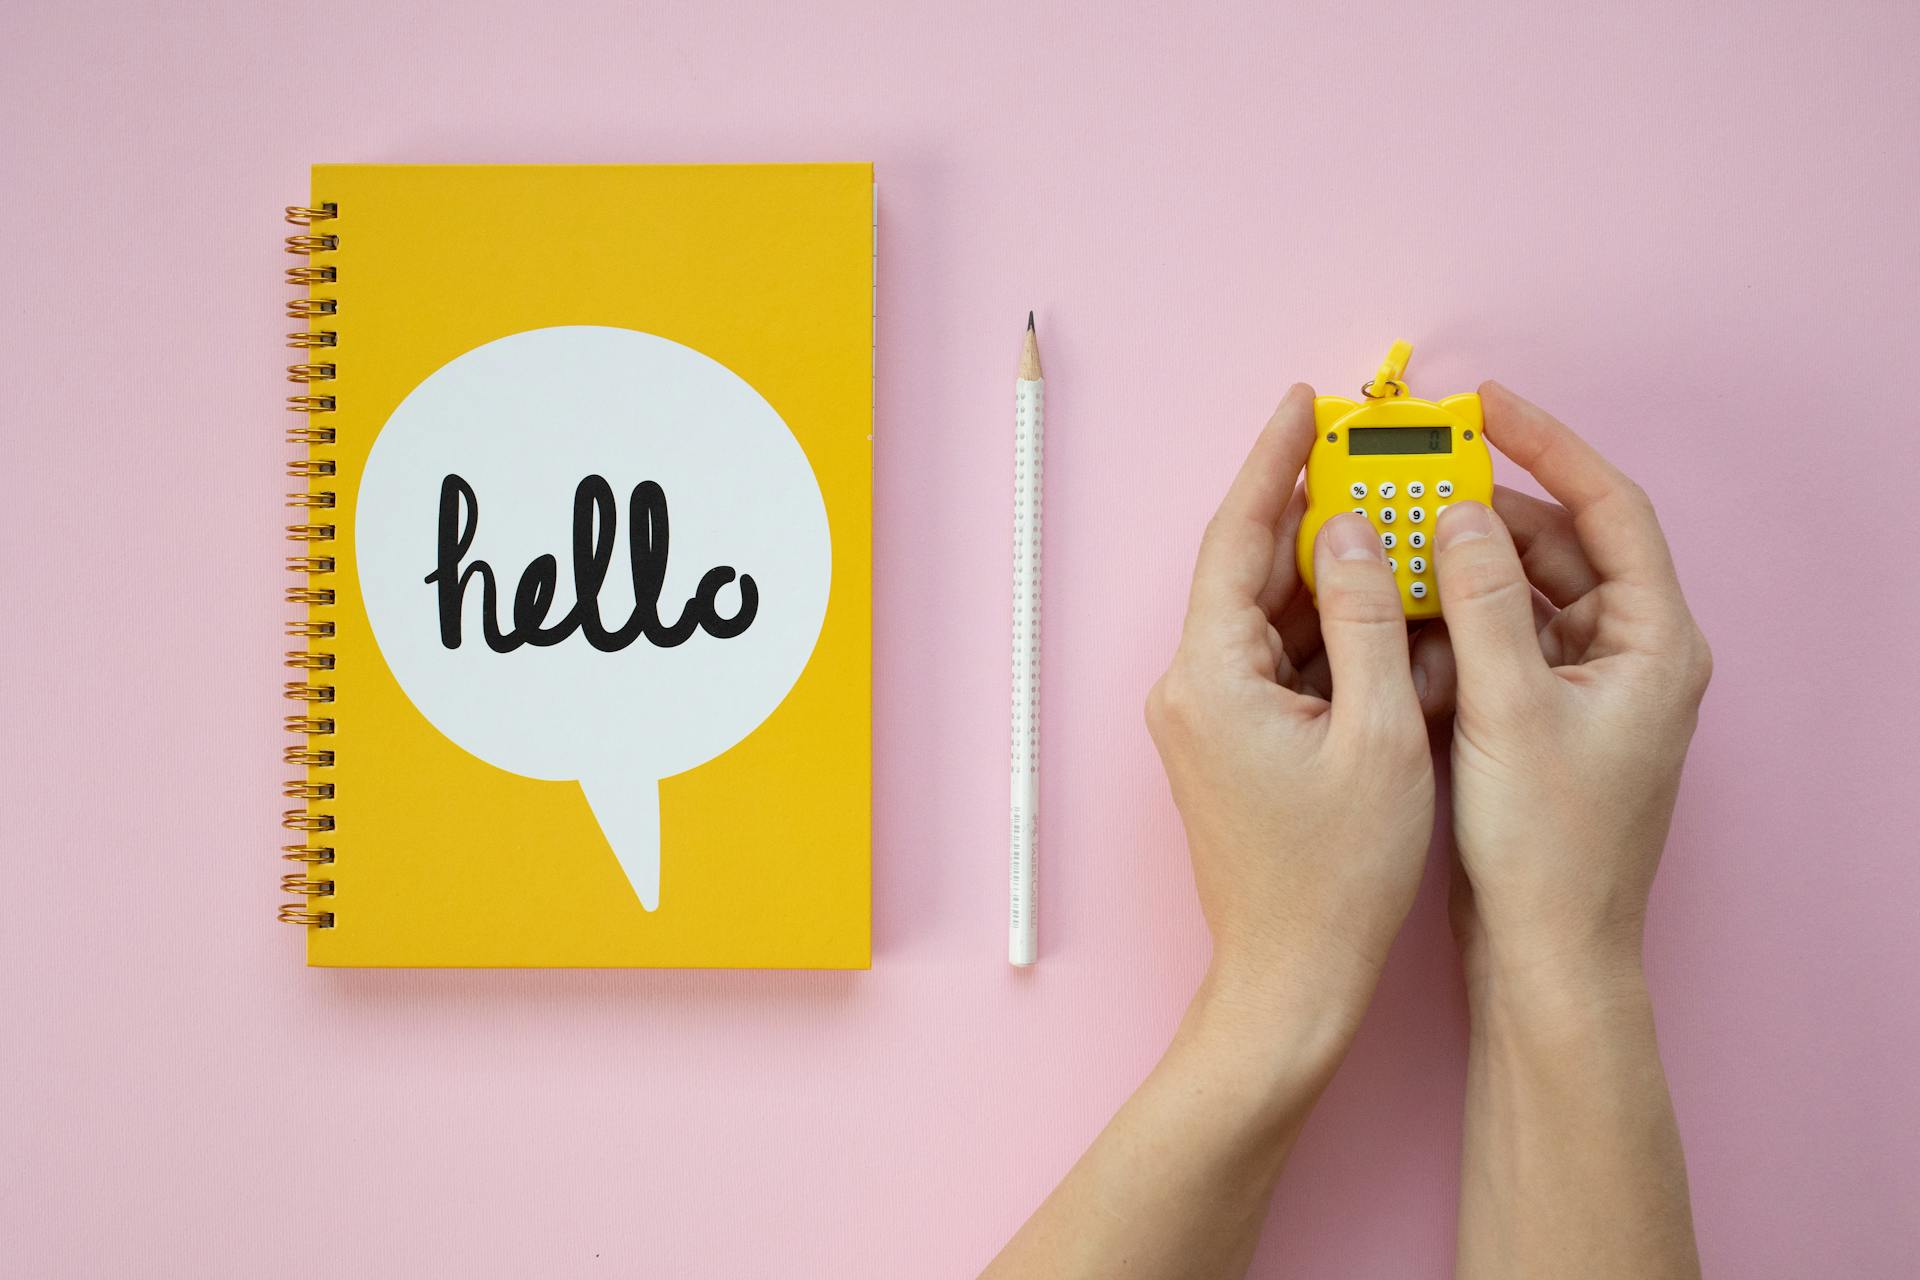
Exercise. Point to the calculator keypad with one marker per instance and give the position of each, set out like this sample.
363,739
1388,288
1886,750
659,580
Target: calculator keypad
1417,580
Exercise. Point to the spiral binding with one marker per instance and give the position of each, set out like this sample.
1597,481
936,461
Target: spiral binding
312,883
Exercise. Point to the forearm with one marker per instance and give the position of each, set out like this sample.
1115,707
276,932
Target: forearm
1572,1163
1179,1182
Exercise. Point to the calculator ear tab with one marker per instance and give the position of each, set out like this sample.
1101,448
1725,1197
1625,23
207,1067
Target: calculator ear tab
1328,410
1465,407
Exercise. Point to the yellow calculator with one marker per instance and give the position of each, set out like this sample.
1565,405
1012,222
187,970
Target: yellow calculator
1397,461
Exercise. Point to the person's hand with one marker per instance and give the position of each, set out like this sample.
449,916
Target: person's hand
1575,705
1307,819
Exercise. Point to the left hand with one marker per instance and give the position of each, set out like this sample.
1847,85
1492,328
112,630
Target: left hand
1308,817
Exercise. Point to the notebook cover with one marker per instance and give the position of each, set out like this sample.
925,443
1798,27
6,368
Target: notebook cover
528,329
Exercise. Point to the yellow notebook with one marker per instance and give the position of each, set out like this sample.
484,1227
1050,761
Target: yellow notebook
584,549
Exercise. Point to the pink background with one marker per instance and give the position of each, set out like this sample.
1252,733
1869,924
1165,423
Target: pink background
1686,228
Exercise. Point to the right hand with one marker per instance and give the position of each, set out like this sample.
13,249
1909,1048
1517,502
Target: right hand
1575,707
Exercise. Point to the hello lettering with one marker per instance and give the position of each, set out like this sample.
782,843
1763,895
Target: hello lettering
595,518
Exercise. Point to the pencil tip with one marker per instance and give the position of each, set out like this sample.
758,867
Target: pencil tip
1029,322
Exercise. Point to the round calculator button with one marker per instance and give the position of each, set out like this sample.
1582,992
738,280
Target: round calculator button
1415,489
1418,590
1416,539
1386,489
1359,511
1387,540
1437,510
1417,565
1393,566
1357,490
1416,514
1387,515
1444,489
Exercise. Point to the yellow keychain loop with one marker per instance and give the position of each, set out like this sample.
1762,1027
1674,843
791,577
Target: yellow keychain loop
1387,383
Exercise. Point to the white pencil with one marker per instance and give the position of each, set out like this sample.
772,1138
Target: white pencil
1029,428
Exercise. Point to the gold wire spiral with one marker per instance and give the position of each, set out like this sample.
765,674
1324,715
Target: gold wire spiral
308,436
312,854
311,757
306,756
301,820
310,532
297,883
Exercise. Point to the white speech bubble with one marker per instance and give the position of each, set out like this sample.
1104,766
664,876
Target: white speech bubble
522,422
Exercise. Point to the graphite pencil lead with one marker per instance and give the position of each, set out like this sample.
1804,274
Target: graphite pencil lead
1029,322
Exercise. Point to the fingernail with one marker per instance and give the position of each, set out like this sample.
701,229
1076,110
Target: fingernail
1463,522
1419,685
1351,537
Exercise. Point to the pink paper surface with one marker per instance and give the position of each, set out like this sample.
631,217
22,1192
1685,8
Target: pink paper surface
1687,229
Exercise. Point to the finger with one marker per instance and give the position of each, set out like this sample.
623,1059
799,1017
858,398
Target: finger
1283,672
1362,623
1433,673
1283,580
1486,601
1238,551
1549,548
1611,514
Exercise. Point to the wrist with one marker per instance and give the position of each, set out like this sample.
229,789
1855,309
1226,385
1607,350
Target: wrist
1555,989
1280,1036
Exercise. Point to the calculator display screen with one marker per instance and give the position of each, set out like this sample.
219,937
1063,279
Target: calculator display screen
1400,440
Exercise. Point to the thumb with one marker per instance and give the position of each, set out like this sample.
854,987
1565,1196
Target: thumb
1486,599
1363,625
